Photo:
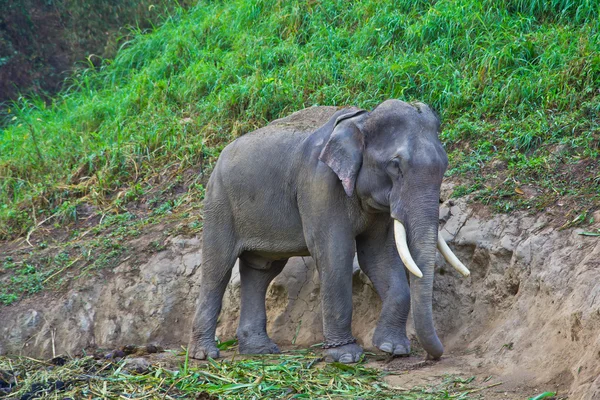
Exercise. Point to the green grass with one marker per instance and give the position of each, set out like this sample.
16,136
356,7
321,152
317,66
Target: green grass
27,278
291,376
515,81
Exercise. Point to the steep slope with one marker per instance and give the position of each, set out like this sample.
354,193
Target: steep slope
527,319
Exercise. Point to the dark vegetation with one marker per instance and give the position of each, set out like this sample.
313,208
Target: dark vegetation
41,40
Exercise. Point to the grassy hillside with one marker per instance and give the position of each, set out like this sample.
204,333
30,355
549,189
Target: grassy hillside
517,83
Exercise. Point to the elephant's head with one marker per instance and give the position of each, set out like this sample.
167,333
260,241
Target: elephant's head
392,159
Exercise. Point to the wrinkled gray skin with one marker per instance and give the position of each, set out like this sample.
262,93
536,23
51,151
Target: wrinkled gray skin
326,193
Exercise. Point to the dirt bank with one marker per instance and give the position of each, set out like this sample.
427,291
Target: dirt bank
529,315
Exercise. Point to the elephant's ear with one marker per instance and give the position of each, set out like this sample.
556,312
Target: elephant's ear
344,150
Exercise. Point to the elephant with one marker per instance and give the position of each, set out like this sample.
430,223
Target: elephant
364,183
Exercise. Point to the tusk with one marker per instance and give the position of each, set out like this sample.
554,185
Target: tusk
402,246
451,257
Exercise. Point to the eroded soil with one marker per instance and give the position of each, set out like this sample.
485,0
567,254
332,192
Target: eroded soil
527,319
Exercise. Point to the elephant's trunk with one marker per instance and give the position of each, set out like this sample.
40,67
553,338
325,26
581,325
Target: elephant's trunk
421,232
423,244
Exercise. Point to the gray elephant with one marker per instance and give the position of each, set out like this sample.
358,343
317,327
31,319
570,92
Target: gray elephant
363,182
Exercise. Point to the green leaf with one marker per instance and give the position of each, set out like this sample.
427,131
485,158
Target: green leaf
232,387
543,395
227,344
590,233
343,367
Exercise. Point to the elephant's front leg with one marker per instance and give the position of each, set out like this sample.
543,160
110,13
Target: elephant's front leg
334,255
379,259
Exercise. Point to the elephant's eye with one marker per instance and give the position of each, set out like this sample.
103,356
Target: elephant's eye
393,167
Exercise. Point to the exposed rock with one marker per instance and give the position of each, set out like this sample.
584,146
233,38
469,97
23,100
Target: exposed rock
530,309
137,364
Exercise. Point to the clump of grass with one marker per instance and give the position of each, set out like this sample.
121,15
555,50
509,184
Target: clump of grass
513,81
282,376
26,278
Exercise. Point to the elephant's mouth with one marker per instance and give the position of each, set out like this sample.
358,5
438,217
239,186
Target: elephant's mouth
404,252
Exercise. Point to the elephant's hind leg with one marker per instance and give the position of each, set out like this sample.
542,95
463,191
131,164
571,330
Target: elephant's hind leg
215,274
256,274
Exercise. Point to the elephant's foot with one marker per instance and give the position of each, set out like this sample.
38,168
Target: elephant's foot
257,344
200,351
392,342
347,354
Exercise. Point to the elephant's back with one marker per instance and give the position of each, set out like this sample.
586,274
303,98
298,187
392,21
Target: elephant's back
294,127
306,120
274,144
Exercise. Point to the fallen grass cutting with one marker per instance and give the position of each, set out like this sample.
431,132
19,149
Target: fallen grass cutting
516,83
290,376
